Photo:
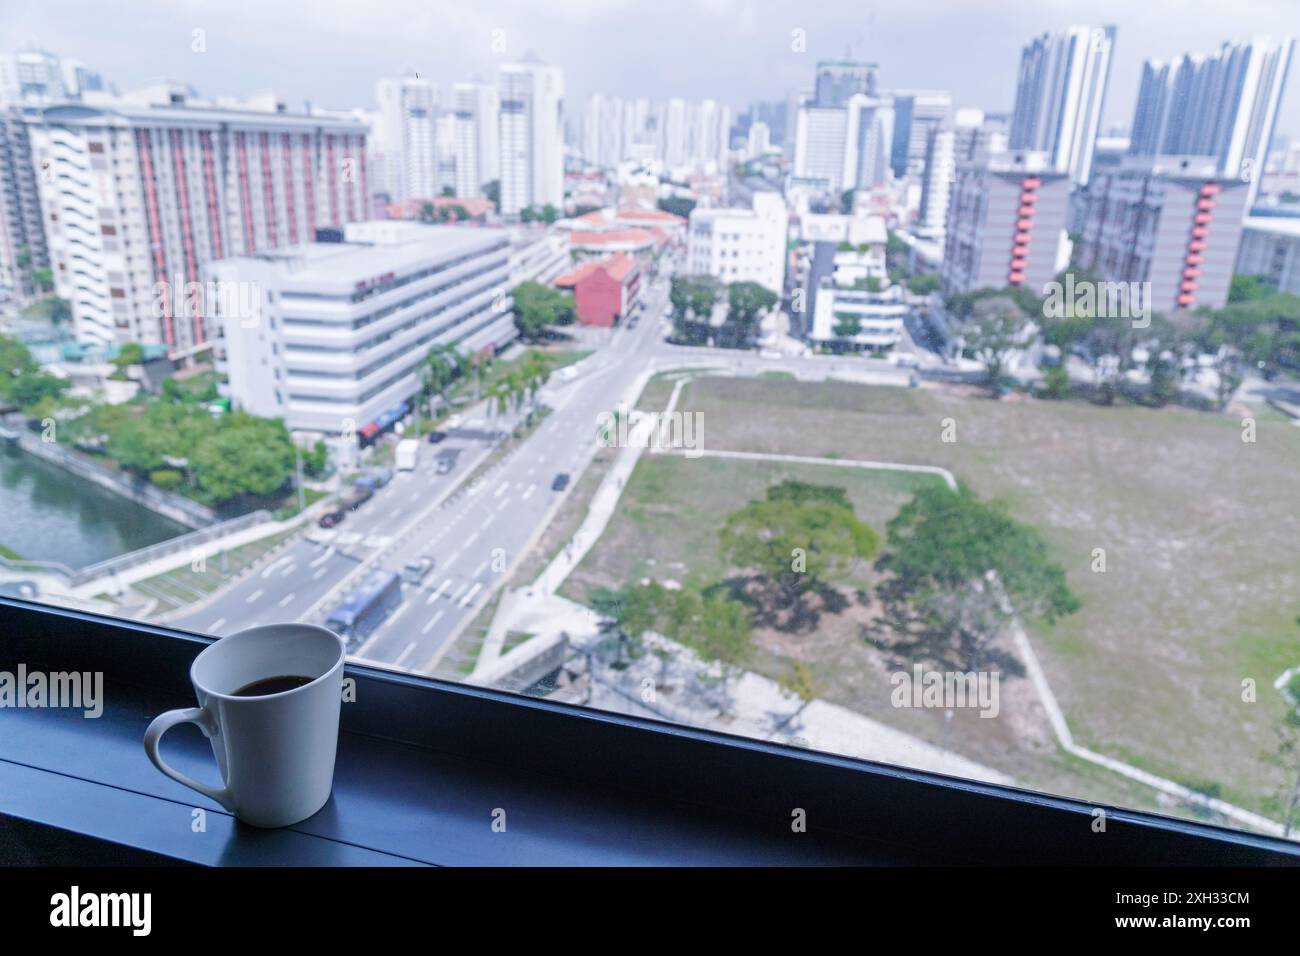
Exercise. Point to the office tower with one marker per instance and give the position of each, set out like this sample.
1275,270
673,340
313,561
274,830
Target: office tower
1171,221
1060,94
139,194
916,115
845,147
1222,106
318,355
407,137
838,80
531,144
759,140
1006,223
477,116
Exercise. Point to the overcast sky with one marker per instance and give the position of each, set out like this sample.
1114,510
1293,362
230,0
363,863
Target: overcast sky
737,51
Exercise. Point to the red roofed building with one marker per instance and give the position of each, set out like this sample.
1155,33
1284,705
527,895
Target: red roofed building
476,207
604,292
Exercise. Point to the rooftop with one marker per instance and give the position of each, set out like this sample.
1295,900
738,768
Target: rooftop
372,249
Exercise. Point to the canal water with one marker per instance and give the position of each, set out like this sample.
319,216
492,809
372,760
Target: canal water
48,514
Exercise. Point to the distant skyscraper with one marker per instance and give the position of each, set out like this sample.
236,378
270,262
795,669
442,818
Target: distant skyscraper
531,139
674,133
916,115
478,160
407,136
1222,106
847,146
1060,95
837,80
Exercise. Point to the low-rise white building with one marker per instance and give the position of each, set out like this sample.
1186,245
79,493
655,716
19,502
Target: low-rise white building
741,245
858,319
328,336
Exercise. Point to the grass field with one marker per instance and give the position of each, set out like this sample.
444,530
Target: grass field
1201,534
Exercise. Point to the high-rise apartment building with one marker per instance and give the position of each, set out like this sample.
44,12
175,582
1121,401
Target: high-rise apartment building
1222,106
406,135
1060,95
138,195
23,252
1006,223
1171,221
531,136
478,156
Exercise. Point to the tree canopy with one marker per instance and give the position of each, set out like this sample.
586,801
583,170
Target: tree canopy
537,307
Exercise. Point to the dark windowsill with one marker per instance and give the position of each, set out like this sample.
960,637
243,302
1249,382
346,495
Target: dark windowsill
424,764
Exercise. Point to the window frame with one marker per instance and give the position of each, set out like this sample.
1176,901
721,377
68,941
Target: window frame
889,813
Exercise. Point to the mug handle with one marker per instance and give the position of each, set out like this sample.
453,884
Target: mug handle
165,722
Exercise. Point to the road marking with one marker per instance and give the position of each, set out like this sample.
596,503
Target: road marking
284,601
529,493
435,595
432,621
217,624
487,521
479,570
401,609
406,653
505,503
501,488
470,596
255,595
274,564
452,560
471,539
319,574
459,591
289,569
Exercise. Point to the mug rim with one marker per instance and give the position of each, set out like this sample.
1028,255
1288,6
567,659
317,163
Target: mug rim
342,660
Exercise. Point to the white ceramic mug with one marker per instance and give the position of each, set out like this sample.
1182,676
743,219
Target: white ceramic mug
275,752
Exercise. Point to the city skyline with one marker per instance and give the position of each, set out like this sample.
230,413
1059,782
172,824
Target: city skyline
334,59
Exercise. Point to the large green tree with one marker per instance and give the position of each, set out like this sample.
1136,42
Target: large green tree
952,559
538,307
796,541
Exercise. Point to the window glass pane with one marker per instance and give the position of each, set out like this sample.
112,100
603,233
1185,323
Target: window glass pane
930,401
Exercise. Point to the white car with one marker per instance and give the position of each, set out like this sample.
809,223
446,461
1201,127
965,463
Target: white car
904,359
770,354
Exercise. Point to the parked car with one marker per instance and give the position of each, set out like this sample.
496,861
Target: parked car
435,437
331,518
381,476
561,481
416,571
367,481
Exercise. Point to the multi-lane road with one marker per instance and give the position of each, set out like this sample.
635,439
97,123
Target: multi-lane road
474,533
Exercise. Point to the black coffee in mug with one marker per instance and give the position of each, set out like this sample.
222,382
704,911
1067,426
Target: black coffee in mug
271,685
